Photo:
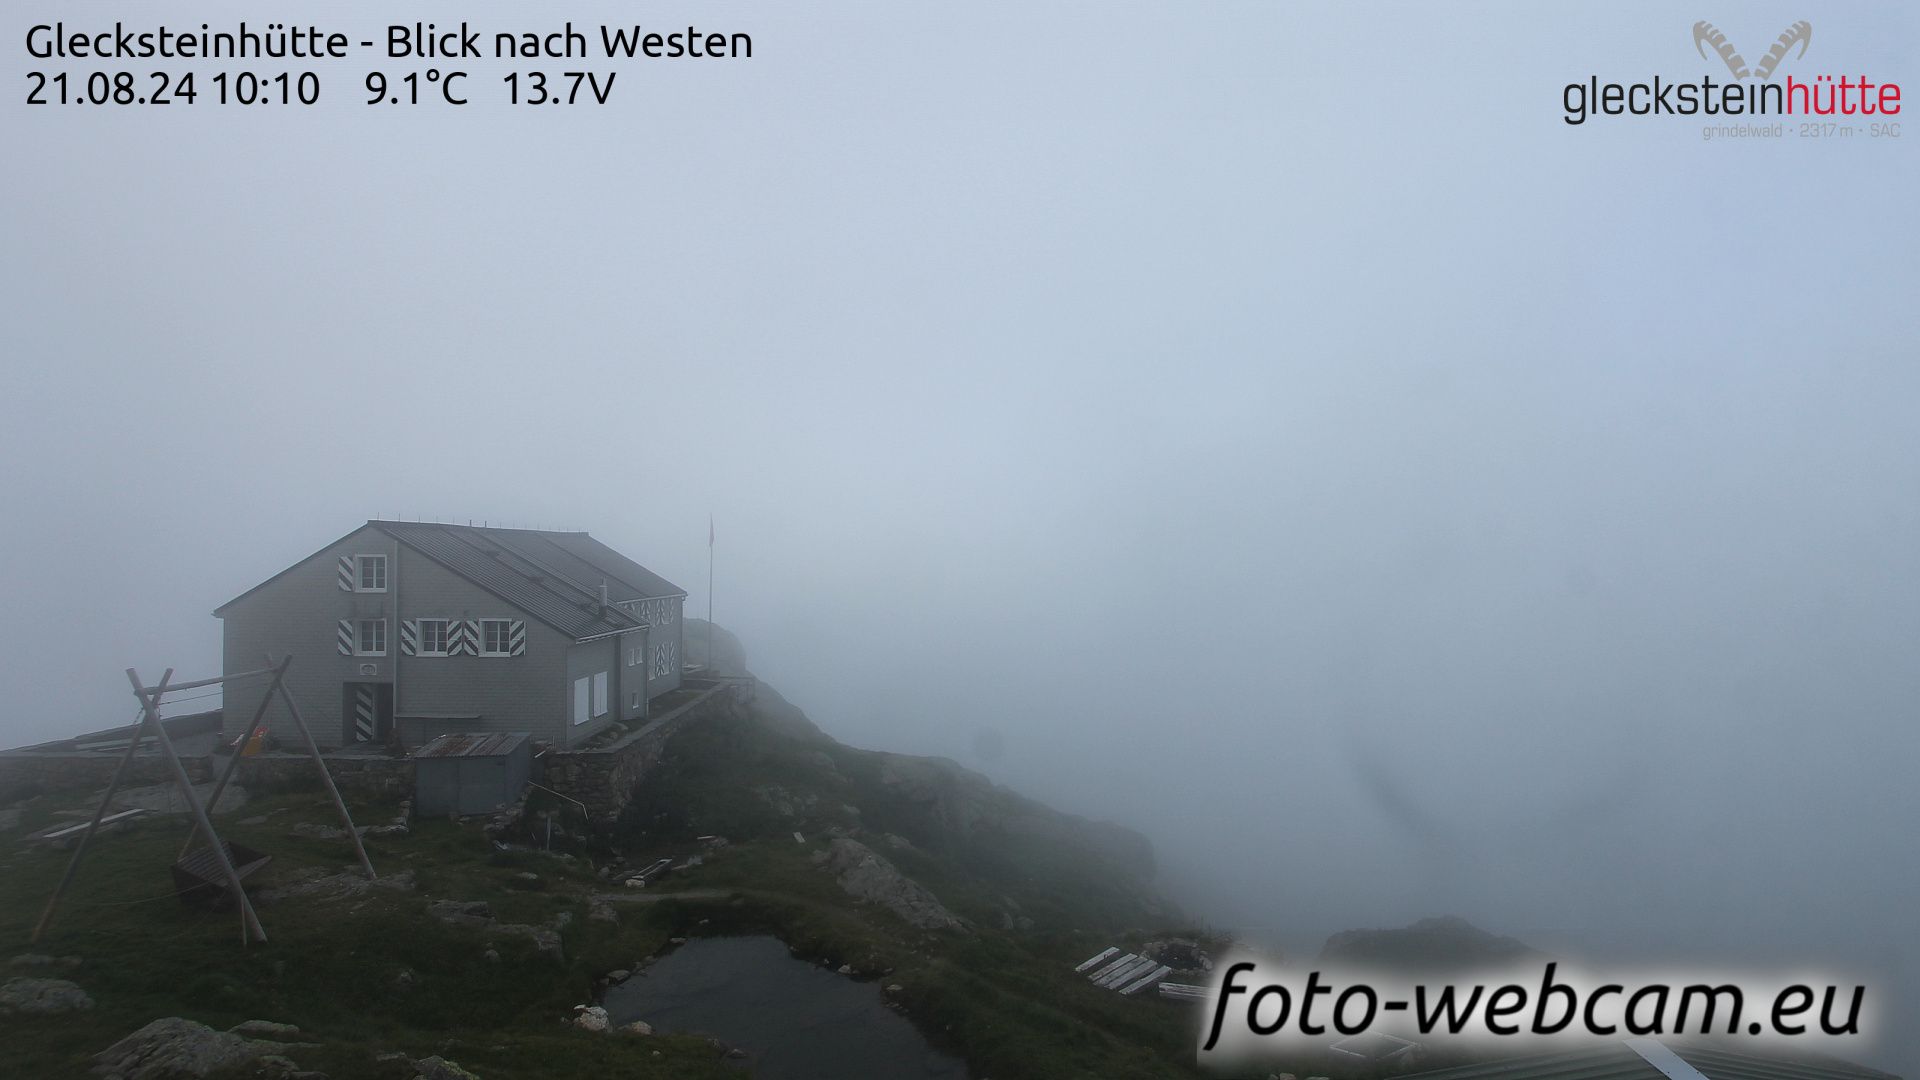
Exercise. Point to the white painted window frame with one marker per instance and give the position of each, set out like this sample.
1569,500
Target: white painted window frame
360,637
446,637
506,637
360,565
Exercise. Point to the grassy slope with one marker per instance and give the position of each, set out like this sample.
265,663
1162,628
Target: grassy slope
1004,999
1007,1000
332,967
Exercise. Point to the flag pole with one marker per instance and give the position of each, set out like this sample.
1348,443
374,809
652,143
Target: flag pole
713,668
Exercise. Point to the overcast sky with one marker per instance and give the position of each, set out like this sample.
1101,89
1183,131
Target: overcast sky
1269,426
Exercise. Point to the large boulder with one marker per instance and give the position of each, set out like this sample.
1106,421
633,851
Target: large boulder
866,875
439,1068
729,657
41,997
173,1048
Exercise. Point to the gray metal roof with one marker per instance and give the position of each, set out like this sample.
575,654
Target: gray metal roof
492,560
452,746
639,582
1617,1061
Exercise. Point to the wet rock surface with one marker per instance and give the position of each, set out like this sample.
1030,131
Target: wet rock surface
41,997
866,875
173,1048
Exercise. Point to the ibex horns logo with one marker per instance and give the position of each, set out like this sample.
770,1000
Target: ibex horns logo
1705,33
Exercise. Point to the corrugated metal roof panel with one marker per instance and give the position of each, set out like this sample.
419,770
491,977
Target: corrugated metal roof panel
641,582
1719,1063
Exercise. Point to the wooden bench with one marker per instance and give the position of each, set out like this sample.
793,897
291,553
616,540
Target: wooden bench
197,878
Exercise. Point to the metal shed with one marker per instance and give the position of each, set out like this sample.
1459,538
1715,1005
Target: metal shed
470,774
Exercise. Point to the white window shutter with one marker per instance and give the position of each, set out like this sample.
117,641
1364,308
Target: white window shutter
346,573
346,637
409,636
517,638
470,637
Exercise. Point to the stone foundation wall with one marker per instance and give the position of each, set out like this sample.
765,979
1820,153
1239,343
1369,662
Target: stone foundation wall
25,775
367,776
605,778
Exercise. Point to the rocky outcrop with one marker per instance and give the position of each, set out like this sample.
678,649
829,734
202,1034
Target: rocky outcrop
173,1048
1446,943
439,1068
729,657
478,915
1184,955
866,875
960,803
787,803
41,997
316,883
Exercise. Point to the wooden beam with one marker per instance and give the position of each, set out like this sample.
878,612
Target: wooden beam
326,777
1146,980
233,762
113,786
1098,958
58,834
248,920
197,683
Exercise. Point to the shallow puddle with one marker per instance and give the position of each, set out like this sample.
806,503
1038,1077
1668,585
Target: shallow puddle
796,1020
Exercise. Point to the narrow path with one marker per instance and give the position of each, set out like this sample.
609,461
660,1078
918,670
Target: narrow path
654,896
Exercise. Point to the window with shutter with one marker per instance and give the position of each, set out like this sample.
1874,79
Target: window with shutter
496,637
371,573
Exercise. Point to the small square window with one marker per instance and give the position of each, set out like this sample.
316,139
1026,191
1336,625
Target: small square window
633,701
372,638
496,637
371,573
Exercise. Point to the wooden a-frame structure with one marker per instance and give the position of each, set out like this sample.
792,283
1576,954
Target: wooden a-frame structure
149,696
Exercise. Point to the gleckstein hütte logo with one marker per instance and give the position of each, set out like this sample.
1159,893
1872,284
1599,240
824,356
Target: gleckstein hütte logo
1752,91
1706,34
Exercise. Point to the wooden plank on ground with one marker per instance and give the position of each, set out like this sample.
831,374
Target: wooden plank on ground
1100,957
1144,981
1101,972
1113,974
1114,979
108,820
